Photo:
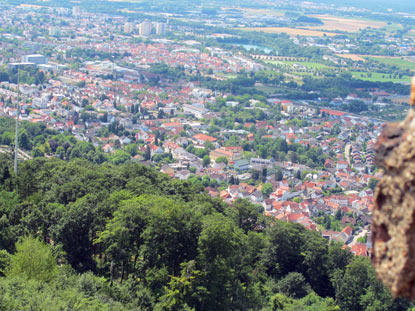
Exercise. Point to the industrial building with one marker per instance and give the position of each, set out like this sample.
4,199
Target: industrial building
37,59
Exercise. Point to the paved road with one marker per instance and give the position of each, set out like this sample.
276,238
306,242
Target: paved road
360,235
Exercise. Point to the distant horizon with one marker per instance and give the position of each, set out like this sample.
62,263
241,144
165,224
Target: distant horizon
377,5
400,5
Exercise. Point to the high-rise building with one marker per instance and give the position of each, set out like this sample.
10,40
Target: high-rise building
35,59
61,11
76,11
54,31
128,28
160,29
145,29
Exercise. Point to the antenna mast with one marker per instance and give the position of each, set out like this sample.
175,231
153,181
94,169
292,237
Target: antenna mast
16,142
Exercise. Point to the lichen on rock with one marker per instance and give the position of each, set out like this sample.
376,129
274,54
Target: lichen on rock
393,229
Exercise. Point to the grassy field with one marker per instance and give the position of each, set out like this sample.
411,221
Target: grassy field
333,23
269,89
394,61
380,77
310,65
292,31
266,89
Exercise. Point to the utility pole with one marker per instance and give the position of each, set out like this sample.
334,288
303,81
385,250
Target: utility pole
16,142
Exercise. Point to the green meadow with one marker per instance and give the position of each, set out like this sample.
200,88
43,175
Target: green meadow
398,62
379,77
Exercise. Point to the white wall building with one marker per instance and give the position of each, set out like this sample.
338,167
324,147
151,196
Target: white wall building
54,31
144,29
37,59
76,11
160,29
128,28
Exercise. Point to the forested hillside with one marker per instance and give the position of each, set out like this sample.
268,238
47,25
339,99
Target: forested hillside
81,236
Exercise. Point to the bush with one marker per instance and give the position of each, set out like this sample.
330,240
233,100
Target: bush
33,260
294,285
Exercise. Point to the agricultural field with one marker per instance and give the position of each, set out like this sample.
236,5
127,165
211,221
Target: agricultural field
333,23
292,31
380,77
354,57
261,12
393,27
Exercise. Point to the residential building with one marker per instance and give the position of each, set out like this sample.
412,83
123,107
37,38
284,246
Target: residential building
76,11
201,139
144,29
160,29
55,31
128,27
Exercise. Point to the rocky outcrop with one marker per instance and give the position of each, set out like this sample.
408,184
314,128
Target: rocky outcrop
393,227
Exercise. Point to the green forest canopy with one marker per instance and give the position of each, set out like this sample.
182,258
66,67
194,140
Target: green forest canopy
75,235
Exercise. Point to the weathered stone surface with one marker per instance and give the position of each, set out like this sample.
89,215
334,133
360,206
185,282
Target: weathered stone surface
394,216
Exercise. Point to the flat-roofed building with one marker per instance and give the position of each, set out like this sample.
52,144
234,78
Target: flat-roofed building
144,29
76,11
160,29
37,59
197,111
128,28
55,31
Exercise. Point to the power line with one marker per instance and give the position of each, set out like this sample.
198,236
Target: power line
16,142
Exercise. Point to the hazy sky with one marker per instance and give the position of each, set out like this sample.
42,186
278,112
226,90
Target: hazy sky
397,5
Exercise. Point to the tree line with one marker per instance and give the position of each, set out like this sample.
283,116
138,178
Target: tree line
27,74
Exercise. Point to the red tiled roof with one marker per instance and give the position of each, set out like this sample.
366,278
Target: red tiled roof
348,230
333,112
359,249
204,137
